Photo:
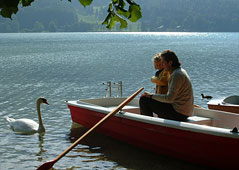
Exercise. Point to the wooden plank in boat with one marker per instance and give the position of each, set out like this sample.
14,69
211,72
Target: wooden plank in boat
200,120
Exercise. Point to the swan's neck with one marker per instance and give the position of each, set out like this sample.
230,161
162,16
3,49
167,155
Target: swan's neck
41,127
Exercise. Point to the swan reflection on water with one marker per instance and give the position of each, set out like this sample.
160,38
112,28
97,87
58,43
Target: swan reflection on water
41,142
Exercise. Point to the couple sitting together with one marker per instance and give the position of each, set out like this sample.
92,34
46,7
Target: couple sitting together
174,94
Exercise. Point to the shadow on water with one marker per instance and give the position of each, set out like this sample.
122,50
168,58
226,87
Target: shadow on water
127,156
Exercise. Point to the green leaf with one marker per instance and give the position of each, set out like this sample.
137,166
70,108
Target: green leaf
110,7
106,21
123,23
123,12
112,22
26,2
85,2
121,3
135,12
114,1
130,2
7,12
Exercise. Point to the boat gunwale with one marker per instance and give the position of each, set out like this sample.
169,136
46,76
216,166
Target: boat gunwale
189,126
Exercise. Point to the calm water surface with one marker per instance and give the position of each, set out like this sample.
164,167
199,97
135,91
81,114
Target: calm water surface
69,66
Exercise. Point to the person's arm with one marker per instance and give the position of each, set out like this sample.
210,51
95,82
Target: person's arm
175,83
162,80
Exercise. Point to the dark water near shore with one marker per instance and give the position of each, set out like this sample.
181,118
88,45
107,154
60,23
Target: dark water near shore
68,66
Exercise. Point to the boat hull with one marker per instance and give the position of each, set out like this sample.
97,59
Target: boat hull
226,108
206,149
229,104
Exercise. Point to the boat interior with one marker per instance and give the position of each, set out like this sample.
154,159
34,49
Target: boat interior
201,116
232,100
193,119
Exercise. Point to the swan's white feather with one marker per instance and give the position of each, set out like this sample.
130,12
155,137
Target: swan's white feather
23,125
28,126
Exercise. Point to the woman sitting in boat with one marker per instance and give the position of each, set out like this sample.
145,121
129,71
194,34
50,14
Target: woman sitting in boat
177,104
161,76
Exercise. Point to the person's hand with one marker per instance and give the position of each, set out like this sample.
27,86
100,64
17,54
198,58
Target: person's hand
146,94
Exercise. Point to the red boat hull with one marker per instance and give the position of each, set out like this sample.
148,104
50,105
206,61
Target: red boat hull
205,149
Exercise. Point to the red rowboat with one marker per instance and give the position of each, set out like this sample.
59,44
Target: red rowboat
229,104
209,137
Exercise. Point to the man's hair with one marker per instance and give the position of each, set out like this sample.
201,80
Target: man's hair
170,55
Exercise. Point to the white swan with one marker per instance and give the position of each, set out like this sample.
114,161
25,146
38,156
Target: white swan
28,126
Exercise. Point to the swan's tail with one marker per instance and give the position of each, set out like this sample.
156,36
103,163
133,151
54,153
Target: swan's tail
9,119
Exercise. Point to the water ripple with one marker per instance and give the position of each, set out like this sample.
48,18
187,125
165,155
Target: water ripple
69,66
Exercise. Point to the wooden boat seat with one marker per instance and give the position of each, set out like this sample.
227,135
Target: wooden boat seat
132,110
200,120
192,119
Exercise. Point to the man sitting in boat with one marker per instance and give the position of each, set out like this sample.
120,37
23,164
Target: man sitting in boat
177,104
161,76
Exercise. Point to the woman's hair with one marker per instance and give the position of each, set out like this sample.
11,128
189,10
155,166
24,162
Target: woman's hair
170,55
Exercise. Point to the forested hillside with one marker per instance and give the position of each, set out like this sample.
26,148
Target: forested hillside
191,15
158,15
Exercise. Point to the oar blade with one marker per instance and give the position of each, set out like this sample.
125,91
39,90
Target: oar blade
47,165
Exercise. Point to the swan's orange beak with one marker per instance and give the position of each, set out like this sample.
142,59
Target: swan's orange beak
46,102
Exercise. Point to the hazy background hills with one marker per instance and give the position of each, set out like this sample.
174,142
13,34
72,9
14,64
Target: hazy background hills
158,15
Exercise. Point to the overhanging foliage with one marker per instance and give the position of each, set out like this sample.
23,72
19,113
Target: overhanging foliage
118,11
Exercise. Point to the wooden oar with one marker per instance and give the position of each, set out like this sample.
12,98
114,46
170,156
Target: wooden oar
198,106
49,164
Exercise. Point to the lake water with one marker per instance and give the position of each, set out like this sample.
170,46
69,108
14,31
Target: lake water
69,66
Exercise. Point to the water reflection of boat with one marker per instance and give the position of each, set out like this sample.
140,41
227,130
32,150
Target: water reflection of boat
228,104
207,138
103,149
